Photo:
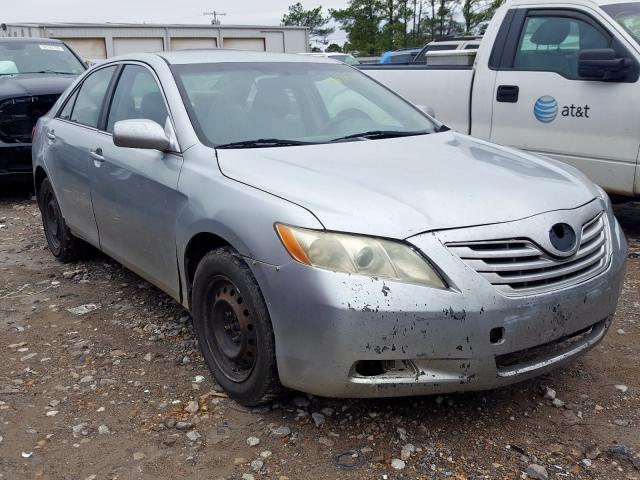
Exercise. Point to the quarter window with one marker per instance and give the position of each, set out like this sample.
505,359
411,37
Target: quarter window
553,44
90,98
137,96
65,113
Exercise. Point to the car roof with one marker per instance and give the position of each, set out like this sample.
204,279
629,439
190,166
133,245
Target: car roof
219,55
28,40
569,2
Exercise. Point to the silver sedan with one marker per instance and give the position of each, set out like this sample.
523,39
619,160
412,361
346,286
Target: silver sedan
326,235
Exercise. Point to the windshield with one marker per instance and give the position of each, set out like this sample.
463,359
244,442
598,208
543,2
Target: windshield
295,101
31,57
627,15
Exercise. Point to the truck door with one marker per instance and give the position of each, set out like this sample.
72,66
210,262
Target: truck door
543,104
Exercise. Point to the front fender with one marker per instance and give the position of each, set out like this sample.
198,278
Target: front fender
241,215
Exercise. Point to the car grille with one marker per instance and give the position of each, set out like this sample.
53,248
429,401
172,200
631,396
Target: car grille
19,115
519,266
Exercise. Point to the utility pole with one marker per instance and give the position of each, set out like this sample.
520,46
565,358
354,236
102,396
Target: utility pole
215,15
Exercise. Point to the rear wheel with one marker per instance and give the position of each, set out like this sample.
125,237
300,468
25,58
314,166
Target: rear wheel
62,243
233,328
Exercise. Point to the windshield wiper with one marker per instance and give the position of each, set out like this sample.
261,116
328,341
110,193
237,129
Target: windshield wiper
264,143
373,134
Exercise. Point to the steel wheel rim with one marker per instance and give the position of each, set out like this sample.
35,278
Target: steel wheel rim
230,331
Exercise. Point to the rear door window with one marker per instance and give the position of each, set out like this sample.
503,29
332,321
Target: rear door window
90,98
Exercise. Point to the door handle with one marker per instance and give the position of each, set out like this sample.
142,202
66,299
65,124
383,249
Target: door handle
51,135
97,156
507,93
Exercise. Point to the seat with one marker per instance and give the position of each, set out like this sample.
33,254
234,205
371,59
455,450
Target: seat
224,121
271,115
152,107
123,109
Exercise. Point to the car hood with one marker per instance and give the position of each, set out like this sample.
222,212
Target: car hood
400,187
33,84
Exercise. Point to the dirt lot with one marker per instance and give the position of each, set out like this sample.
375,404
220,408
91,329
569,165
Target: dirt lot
122,393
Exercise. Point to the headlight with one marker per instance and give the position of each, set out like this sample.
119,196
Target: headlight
373,257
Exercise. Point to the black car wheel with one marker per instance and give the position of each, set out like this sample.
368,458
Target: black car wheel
62,243
233,328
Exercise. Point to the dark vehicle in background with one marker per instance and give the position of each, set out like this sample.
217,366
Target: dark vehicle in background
33,74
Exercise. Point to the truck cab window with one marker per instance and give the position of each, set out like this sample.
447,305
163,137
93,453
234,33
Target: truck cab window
554,43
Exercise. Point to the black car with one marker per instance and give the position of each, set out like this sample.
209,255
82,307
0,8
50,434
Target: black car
33,74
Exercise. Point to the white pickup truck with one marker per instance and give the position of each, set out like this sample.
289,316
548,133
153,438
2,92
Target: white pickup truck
559,79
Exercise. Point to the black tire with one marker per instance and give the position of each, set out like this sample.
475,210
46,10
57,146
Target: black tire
62,243
233,328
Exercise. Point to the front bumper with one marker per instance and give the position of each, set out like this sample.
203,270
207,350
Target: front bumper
15,160
343,335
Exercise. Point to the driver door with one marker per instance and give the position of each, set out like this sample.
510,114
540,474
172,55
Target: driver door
134,191
541,103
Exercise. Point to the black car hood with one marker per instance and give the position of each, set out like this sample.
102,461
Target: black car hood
25,85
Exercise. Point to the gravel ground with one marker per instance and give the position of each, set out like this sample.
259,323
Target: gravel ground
121,392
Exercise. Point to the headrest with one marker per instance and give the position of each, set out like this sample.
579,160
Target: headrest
552,31
271,96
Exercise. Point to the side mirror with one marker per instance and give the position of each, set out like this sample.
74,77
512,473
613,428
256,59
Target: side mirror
602,64
428,110
140,133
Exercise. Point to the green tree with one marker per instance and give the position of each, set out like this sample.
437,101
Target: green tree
476,12
333,47
441,22
313,19
361,21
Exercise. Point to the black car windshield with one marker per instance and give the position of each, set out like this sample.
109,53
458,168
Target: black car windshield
627,15
291,101
17,57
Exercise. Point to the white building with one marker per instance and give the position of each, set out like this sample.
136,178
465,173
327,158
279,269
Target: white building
94,41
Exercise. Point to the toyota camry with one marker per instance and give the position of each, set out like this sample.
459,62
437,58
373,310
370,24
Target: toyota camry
325,234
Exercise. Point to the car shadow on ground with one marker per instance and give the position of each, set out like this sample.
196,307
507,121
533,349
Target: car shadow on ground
628,214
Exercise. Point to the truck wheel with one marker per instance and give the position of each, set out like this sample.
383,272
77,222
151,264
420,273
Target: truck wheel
63,244
233,328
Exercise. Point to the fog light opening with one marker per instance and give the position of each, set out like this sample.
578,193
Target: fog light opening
370,368
496,335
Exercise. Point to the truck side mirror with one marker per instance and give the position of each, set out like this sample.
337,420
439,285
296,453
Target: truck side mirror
602,64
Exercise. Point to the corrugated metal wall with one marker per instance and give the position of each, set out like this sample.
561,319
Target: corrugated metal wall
94,42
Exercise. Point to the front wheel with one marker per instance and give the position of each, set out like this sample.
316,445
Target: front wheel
233,328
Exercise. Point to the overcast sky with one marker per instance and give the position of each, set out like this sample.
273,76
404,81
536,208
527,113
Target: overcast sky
245,12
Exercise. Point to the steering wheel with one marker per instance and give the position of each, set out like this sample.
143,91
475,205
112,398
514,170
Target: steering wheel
344,116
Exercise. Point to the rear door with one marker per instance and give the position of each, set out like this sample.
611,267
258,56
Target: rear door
135,197
69,138
541,103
